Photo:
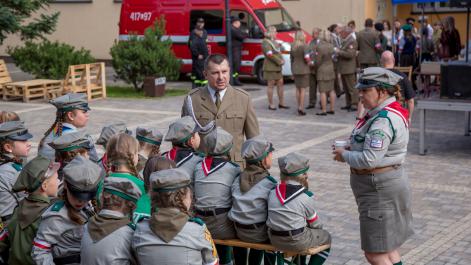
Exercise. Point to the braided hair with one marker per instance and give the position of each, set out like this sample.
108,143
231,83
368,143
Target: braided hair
60,119
173,199
121,150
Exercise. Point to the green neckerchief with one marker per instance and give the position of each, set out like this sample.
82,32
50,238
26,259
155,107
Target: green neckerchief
251,175
31,208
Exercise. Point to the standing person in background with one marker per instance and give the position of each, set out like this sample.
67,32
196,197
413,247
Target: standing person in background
387,32
312,76
427,46
407,47
325,72
351,24
450,40
238,36
272,66
337,42
397,32
368,45
382,39
300,61
437,32
199,52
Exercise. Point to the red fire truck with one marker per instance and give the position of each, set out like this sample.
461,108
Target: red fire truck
181,16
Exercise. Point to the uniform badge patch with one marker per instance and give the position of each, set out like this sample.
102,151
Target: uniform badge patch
209,238
376,143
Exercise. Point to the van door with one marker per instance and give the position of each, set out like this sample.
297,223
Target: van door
214,25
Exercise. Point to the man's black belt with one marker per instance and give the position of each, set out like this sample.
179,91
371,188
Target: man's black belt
67,260
251,226
214,212
287,233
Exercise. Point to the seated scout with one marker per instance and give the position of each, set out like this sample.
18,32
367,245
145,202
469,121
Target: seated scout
106,133
149,145
39,178
108,235
170,235
292,219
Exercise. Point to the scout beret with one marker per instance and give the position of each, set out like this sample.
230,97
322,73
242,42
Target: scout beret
34,173
377,77
181,130
218,141
82,177
70,141
14,130
169,180
123,188
149,135
293,164
70,102
256,149
108,131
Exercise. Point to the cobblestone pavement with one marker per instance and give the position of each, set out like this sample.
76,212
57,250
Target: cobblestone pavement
441,180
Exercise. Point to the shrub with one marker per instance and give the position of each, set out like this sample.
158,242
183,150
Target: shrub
47,59
147,56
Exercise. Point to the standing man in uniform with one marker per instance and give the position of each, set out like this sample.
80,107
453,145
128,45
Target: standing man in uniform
347,67
368,45
194,67
231,108
238,37
199,52
337,42
312,76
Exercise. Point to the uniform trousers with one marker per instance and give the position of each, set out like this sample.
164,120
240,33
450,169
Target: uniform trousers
312,89
351,94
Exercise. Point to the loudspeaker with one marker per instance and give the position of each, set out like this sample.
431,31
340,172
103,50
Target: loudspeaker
460,3
456,80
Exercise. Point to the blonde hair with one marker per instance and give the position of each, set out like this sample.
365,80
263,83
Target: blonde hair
270,33
299,39
325,35
121,150
8,116
301,179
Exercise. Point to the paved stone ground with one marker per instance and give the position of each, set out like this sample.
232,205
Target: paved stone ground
441,180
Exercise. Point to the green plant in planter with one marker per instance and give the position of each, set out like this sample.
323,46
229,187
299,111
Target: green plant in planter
145,56
48,59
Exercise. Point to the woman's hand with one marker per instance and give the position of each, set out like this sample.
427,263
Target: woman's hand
338,154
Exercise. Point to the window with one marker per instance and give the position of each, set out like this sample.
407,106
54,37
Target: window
247,23
213,20
276,17
435,7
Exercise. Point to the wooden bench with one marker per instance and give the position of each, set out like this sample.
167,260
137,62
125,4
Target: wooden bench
271,248
32,89
4,76
86,78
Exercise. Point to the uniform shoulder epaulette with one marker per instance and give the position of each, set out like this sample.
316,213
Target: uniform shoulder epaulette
195,90
132,226
196,220
200,154
234,164
383,113
57,206
241,91
309,193
272,179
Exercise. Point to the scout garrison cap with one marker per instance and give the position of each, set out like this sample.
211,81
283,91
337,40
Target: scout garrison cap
169,180
82,177
123,188
218,141
293,164
149,135
70,102
70,142
181,130
34,173
377,77
14,130
256,149
108,131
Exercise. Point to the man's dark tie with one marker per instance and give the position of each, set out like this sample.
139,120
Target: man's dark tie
218,99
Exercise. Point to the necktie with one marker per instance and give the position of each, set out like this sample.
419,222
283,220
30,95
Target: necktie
218,99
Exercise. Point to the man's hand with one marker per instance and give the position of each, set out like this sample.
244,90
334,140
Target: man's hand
200,57
338,154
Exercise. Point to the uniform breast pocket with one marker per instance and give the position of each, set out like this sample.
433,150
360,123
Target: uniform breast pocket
236,120
204,118
73,235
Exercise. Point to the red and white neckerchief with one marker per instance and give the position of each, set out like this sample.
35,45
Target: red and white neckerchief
207,164
283,190
397,109
172,154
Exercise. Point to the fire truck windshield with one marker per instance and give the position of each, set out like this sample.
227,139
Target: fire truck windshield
276,17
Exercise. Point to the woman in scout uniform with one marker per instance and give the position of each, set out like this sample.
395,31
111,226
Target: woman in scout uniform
60,232
14,146
250,195
154,164
108,235
292,219
185,139
106,133
149,144
39,178
272,68
214,177
171,236
377,152
325,72
122,152
68,146
300,61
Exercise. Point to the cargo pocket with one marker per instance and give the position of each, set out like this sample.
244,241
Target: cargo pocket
204,118
376,228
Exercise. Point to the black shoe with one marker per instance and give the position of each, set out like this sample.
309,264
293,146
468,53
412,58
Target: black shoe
345,107
282,107
301,112
341,93
311,107
270,108
352,109
331,112
321,114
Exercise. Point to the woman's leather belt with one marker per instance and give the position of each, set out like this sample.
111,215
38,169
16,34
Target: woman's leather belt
377,170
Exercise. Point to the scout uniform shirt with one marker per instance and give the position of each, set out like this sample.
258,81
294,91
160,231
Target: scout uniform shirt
107,239
9,200
185,158
380,139
190,243
368,43
58,237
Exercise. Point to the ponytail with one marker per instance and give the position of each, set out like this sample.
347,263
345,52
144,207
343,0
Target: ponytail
60,118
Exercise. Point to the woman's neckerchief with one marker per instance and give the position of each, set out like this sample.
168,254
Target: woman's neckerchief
211,164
